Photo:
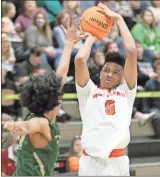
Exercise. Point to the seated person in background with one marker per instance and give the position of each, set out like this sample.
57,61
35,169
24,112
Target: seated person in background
111,47
39,35
8,56
98,59
73,7
10,106
114,38
123,8
75,154
63,18
8,160
8,150
145,69
156,11
86,4
34,65
53,8
9,12
138,112
153,104
147,33
24,20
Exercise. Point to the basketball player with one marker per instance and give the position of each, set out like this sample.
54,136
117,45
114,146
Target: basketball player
106,110
38,146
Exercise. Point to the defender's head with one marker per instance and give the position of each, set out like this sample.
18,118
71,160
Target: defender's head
112,72
41,93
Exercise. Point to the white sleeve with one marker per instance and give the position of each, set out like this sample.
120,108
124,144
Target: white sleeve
84,92
131,93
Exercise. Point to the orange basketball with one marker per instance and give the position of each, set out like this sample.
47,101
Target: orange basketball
96,23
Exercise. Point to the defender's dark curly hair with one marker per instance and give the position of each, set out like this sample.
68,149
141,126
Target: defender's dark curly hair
41,93
115,57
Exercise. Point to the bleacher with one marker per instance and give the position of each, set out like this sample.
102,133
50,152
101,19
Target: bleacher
143,150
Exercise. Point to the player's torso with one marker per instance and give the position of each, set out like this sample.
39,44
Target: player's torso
106,111
106,106
37,162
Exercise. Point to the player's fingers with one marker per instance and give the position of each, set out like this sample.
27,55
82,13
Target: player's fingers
102,6
64,29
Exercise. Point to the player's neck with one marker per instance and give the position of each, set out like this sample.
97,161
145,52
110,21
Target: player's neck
50,116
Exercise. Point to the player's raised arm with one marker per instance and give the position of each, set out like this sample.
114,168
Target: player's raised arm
71,39
130,70
81,68
35,125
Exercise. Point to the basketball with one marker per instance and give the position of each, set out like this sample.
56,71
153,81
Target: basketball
96,23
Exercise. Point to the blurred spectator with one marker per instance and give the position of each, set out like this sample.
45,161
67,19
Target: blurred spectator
153,104
142,117
8,153
53,8
24,20
147,32
73,7
111,47
112,37
156,11
10,106
75,154
64,19
145,69
8,12
98,59
125,9
86,4
33,65
8,56
39,35
139,6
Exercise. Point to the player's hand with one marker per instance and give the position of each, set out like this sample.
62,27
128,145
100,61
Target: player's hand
72,33
106,11
18,128
85,35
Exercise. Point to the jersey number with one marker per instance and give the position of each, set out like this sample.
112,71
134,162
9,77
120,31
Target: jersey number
110,107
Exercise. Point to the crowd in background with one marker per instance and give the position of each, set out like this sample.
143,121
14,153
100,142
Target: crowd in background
33,42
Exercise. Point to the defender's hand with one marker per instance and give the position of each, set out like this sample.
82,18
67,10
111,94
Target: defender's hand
18,128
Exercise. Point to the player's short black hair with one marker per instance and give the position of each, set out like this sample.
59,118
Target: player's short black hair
41,93
115,57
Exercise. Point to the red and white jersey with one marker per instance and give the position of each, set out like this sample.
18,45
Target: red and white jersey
106,117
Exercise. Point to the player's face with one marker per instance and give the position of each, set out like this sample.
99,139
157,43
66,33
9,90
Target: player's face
111,75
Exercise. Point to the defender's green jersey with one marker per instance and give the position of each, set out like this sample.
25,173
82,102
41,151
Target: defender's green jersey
37,162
